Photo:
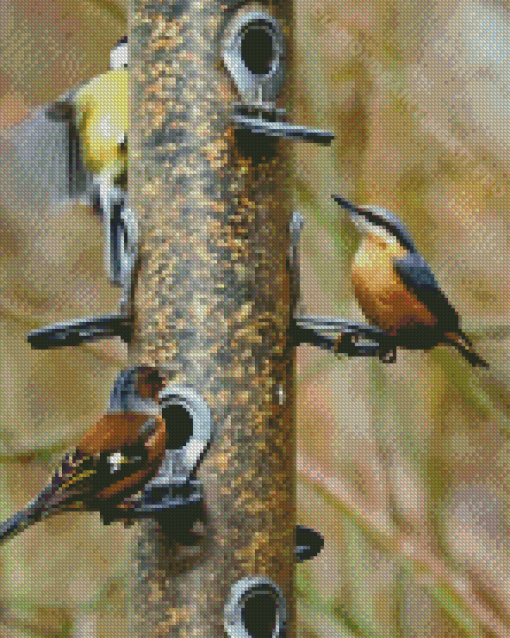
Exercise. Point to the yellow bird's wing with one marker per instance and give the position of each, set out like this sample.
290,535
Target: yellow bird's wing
40,161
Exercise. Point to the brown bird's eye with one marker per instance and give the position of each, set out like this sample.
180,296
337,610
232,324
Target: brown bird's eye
156,380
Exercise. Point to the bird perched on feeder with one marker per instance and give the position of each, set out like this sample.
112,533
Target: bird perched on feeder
75,151
396,288
114,460
101,115
97,113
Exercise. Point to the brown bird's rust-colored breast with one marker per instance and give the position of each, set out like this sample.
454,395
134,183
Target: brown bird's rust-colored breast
384,298
112,432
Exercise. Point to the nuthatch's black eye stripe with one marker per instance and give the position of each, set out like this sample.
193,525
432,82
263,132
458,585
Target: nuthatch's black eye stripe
394,227
382,218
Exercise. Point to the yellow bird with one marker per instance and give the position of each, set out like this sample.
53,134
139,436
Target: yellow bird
98,114
101,118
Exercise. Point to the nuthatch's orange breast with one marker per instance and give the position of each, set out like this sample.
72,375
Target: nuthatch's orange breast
384,298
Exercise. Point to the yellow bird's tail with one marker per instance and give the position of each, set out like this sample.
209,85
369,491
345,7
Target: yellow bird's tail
460,341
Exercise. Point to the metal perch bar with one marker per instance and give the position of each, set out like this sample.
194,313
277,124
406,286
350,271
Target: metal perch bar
308,329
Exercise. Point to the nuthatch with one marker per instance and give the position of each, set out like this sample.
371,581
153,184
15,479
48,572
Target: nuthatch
114,460
396,288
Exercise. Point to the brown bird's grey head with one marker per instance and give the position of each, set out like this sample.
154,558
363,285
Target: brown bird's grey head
135,390
375,219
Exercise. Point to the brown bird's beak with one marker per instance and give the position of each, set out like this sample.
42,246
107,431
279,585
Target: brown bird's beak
151,381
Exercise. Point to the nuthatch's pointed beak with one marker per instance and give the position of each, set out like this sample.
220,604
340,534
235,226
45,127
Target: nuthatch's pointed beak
354,211
345,203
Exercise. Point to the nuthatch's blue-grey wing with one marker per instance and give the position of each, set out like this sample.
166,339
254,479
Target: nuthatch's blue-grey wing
40,164
419,278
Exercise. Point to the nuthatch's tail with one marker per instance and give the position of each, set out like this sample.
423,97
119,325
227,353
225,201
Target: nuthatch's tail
460,341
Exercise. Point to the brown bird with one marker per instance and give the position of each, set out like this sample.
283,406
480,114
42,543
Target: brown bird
396,288
115,459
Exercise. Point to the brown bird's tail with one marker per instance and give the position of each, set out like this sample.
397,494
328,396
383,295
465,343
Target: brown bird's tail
460,341
35,511
50,500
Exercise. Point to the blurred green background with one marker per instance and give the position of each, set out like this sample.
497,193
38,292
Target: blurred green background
403,468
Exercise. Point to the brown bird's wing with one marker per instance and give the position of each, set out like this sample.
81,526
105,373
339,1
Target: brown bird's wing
85,481
132,478
419,279
88,480
64,489
119,472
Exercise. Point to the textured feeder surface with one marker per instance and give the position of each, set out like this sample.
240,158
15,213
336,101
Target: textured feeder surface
212,300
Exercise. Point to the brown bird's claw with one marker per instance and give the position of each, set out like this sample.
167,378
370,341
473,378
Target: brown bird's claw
122,512
346,343
387,354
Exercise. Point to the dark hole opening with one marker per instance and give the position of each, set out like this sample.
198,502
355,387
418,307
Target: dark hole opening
259,615
260,148
179,426
257,49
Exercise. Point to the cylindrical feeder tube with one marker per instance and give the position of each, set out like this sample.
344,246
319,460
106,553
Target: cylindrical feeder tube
212,302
